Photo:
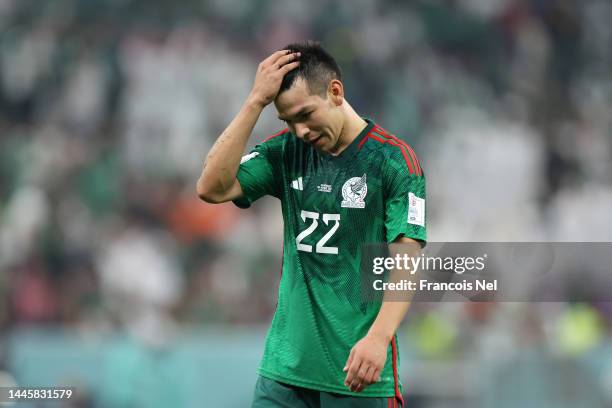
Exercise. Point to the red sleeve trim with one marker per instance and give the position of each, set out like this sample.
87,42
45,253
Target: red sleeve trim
398,394
415,161
408,161
413,154
406,151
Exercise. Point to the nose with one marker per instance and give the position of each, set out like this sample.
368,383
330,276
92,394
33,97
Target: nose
301,130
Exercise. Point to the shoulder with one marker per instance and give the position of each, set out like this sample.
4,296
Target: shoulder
396,153
272,145
277,138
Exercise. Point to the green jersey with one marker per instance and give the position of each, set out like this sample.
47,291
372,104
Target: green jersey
372,192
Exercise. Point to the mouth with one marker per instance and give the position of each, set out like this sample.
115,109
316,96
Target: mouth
316,141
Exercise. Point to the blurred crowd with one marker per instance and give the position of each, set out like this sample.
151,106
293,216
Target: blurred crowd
108,107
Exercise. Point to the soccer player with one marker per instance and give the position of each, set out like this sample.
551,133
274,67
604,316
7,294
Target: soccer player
343,181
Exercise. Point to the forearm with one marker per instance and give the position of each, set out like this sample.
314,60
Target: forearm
389,317
221,165
396,304
392,310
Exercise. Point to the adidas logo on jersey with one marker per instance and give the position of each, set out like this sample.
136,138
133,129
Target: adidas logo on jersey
297,184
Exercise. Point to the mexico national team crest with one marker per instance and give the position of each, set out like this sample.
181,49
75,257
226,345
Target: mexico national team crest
354,192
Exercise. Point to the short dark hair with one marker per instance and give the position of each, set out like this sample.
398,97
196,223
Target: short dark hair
317,67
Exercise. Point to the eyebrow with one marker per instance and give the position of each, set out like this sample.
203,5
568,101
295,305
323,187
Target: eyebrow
299,113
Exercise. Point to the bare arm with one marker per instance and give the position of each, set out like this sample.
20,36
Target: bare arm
218,183
368,356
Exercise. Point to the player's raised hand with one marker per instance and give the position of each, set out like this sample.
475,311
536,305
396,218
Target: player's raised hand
270,73
365,362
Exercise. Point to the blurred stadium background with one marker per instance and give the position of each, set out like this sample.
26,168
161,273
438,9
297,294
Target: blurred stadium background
116,279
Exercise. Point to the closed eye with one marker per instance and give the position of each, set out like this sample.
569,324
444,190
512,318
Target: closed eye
306,115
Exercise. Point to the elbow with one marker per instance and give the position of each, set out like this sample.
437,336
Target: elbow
206,197
205,193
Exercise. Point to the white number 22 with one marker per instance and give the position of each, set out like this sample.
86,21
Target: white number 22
320,246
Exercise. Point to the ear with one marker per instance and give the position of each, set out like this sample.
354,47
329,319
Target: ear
335,92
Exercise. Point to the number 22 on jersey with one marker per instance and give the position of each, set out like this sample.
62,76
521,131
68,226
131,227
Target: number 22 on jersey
320,247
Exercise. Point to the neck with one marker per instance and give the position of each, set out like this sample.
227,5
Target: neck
353,125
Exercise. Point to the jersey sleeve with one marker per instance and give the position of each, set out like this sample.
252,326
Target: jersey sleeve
405,196
258,172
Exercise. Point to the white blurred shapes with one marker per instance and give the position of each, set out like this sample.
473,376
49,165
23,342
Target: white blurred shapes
486,9
229,10
437,82
294,13
229,280
483,178
24,59
357,11
140,264
164,105
85,92
141,282
582,214
77,223
528,68
264,221
248,225
381,38
51,156
606,379
412,31
23,219
597,35
280,33
270,220
153,328
228,78
593,97
493,338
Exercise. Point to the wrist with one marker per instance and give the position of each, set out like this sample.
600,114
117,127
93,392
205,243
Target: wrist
381,335
255,102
